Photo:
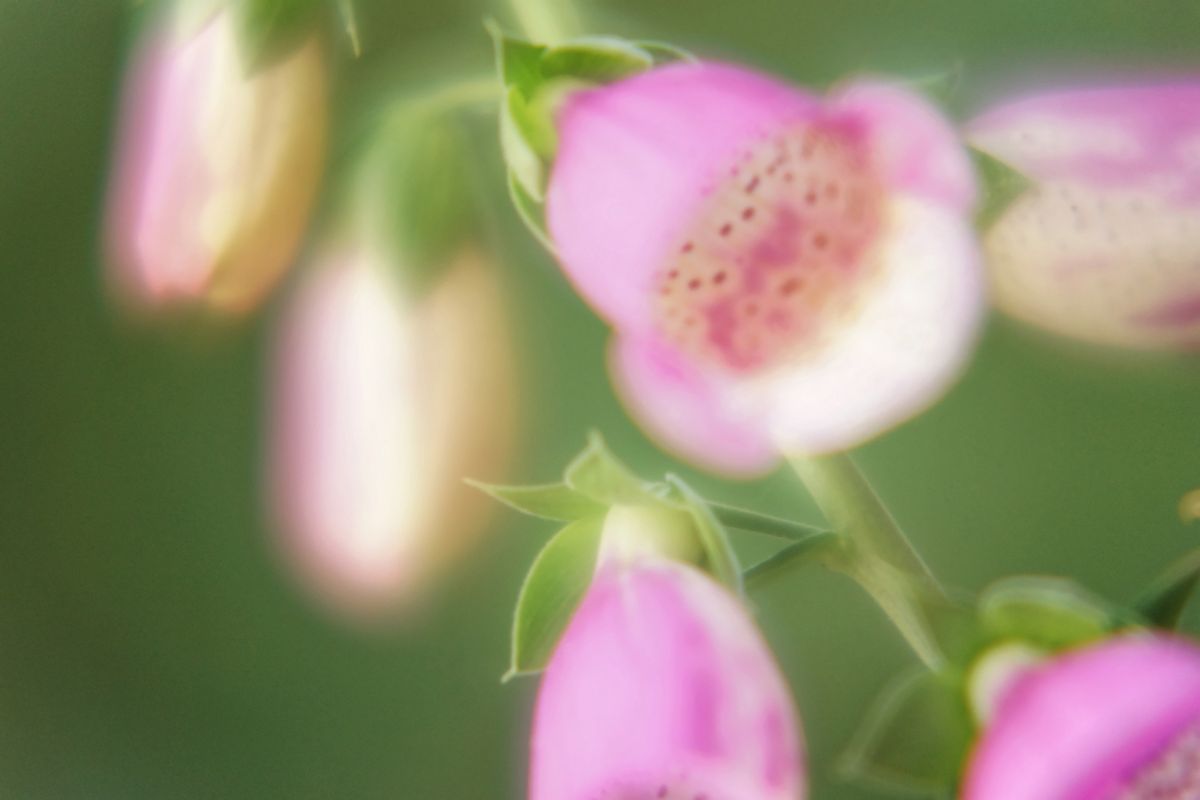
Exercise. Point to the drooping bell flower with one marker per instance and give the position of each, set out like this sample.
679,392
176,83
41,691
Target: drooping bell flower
383,401
662,687
217,165
1119,720
1105,245
784,272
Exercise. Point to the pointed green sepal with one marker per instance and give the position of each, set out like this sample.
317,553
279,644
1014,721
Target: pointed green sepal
719,557
1001,185
556,501
1162,603
1048,612
553,588
915,737
598,474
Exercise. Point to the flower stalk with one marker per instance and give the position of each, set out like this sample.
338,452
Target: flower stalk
547,21
874,550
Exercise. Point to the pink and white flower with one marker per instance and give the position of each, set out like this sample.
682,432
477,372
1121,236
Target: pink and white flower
382,404
1119,720
784,272
217,166
662,687
1106,245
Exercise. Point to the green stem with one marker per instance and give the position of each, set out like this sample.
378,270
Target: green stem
875,552
746,520
813,547
547,21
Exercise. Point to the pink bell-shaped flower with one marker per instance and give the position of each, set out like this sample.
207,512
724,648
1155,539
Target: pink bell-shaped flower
1105,246
1119,720
217,166
662,687
382,404
784,272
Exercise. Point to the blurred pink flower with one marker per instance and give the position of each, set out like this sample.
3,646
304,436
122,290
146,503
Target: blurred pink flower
382,403
784,272
662,687
1106,246
1115,721
217,166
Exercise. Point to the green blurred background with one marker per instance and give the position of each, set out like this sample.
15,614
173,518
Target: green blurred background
150,647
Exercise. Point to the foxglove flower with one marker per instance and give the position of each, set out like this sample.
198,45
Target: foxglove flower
1119,720
1105,247
784,272
217,166
382,403
662,687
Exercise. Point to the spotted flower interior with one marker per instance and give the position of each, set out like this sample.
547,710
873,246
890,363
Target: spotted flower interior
1173,774
779,253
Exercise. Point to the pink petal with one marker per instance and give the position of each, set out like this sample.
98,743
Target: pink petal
1087,725
637,157
381,406
684,413
1107,247
662,688
919,152
896,353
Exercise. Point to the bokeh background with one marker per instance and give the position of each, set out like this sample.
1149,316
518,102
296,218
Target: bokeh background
151,646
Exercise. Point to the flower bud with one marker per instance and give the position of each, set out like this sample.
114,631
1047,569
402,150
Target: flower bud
1104,247
383,402
217,165
662,687
784,272
1119,720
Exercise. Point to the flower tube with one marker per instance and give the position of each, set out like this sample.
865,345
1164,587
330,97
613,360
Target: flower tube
784,272
382,403
1103,247
217,166
662,687
1119,720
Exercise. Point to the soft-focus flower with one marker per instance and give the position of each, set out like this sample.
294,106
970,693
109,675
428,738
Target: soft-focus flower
1105,246
662,687
217,166
784,272
382,404
1118,720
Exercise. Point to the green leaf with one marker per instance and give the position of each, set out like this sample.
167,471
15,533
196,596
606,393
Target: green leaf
597,473
720,558
595,59
530,211
1052,613
269,29
915,736
549,501
1162,603
1002,185
556,582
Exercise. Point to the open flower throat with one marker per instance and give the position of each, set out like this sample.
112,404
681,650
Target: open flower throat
778,253
1174,774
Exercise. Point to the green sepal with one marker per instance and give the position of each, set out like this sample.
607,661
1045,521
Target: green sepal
270,29
1048,612
1001,185
530,210
1163,602
596,473
915,736
720,560
556,501
537,78
664,52
553,588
